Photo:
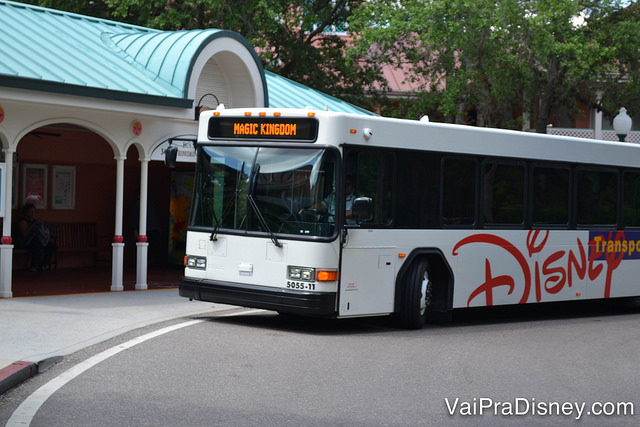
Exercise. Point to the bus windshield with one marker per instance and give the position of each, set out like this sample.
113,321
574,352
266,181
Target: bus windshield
264,189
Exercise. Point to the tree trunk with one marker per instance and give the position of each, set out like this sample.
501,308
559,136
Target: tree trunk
552,78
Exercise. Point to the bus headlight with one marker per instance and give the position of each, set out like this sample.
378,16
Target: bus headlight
196,262
307,274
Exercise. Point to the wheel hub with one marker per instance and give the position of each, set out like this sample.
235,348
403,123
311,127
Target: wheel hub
425,294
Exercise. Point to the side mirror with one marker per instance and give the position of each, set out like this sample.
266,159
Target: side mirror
170,156
362,209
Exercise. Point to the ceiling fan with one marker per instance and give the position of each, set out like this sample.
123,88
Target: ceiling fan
40,134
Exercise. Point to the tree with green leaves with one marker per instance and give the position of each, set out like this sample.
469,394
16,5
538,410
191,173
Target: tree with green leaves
618,84
487,59
577,54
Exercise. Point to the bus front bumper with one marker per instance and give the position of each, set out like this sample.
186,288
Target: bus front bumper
281,300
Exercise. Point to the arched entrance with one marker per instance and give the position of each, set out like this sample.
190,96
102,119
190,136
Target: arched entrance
103,161
67,171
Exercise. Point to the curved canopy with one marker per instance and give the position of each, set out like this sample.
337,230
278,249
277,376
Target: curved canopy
54,51
60,52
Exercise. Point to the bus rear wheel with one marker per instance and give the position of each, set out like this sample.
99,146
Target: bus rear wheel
416,296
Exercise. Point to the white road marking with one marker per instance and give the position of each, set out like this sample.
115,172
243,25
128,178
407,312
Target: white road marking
24,414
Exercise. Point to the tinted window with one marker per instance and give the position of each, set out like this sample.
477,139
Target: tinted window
631,199
596,197
503,201
550,198
417,190
374,174
458,191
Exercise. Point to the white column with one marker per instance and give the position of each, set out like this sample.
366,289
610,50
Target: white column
598,124
117,266
142,244
6,248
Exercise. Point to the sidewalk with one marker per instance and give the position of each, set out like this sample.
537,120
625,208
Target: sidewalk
37,332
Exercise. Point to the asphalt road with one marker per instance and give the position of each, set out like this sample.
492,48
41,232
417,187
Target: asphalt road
555,365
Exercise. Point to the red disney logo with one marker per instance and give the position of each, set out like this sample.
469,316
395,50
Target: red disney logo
554,272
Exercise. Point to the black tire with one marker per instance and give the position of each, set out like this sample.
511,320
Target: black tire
415,295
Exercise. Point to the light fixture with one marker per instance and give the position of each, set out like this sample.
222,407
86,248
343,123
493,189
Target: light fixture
200,107
622,124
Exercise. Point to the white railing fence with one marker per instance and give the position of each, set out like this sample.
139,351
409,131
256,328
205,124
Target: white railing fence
607,135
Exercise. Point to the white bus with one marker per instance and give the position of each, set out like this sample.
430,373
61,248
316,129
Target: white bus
442,217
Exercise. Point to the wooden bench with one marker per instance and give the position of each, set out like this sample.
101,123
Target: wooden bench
73,237
67,237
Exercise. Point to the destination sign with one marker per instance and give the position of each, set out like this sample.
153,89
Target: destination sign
299,129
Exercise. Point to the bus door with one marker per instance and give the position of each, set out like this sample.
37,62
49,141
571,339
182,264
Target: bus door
367,284
366,275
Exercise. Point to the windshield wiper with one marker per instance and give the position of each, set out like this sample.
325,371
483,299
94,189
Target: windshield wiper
214,233
263,222
256,209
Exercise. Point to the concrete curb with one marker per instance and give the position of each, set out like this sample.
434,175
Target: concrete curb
15,374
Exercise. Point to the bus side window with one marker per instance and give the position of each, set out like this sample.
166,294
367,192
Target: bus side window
459,184
596,196
503,192
374,179
417,191
550,196
631,199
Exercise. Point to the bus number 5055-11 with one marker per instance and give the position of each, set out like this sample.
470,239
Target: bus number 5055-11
301,285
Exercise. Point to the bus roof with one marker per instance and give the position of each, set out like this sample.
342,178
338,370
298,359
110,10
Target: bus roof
337,128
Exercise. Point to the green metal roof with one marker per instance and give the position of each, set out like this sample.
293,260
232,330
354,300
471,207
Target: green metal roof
55,51
285,93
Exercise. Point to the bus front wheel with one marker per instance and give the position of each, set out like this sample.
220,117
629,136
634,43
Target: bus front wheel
416,295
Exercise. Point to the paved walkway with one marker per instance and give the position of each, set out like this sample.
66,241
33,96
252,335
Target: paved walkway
37,332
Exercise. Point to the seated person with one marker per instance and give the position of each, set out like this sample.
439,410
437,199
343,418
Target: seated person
32,235
328,205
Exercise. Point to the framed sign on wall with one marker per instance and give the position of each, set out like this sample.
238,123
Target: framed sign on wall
64,187
34,185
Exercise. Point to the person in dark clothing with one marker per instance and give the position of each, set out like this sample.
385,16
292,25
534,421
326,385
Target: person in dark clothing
33,236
